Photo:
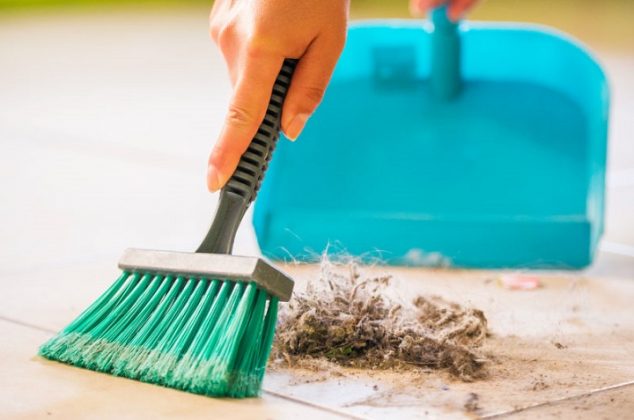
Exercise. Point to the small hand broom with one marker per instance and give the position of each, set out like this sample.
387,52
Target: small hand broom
201,322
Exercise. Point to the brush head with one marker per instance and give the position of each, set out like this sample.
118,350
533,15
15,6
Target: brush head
211,266
203,323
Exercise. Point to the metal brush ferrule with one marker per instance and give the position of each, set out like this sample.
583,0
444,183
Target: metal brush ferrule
210,266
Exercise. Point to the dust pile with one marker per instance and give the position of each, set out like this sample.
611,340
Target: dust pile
354,320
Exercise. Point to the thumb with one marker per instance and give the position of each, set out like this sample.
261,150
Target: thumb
310,80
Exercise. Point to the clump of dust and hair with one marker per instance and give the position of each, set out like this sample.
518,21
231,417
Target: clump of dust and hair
353,320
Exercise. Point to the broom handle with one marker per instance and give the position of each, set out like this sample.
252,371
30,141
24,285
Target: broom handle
243,186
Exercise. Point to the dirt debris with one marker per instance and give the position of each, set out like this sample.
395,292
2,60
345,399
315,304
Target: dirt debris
471,404
539,385
354,320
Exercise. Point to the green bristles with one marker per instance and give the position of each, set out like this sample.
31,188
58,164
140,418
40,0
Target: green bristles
209,337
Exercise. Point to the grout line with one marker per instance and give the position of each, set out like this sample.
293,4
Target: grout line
311,404
26,324
265,391
617,248
557,401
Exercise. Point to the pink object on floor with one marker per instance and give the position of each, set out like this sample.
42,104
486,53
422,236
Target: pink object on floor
520,281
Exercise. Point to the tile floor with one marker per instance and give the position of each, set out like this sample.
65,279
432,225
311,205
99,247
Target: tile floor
103,127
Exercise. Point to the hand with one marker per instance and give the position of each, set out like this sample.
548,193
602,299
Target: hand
254,37
456,9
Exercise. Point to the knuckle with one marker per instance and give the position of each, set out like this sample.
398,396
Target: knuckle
215,25
221,32
313,94
213,31
261,41
225,36
239,116
254,47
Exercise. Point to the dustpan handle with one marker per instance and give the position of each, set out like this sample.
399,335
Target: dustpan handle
243,186
445,55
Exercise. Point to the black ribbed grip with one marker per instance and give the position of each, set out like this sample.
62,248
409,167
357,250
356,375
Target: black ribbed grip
243,186
247,178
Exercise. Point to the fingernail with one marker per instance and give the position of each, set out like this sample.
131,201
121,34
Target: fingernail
296,126
215,179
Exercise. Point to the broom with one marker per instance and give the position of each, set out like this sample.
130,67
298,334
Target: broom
201,322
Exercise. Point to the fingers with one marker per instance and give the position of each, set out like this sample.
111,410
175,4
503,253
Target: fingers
246,111
458,8
420,7
309,83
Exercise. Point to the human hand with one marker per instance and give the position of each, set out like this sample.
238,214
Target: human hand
255,36
456,9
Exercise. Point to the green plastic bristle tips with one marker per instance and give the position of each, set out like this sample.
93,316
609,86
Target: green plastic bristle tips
210,337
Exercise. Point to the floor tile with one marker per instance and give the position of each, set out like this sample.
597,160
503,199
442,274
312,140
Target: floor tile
603,404
67,205
573,335
589,317
32,387
152,81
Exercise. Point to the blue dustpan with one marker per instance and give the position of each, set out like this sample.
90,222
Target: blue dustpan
482,145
